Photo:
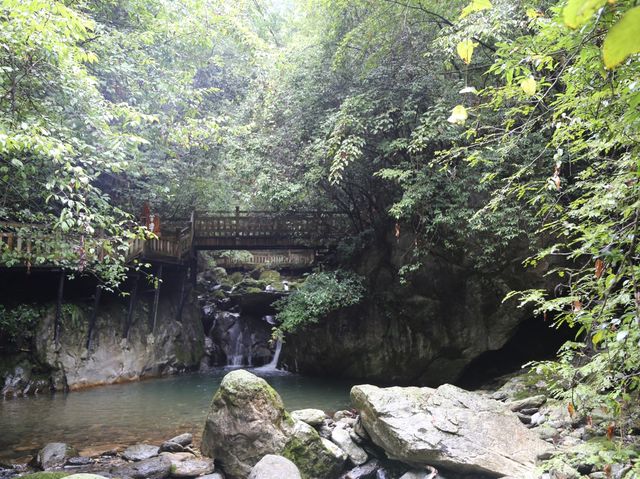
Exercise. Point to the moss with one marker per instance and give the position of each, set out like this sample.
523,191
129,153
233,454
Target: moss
46,475
272,277
306,450
236,277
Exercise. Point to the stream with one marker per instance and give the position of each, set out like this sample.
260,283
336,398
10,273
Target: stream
147,411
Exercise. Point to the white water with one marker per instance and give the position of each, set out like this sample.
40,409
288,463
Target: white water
273,365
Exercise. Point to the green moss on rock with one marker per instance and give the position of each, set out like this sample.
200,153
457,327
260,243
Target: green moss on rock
46,475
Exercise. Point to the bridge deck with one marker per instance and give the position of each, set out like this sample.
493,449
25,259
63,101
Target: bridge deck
177,242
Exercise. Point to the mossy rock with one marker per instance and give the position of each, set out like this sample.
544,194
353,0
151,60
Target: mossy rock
46,475
236,277
84,475
307,450
272,277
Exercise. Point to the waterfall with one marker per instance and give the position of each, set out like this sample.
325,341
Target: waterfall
235,359
273,365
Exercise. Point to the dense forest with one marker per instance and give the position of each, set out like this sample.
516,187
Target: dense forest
482,133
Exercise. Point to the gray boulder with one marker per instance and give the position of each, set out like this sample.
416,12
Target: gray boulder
139,452
274,467
54,454
153,468
191,467
183,439
342,439
449,427
313,417
247,421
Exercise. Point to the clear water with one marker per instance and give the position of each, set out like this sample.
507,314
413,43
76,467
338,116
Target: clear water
147,411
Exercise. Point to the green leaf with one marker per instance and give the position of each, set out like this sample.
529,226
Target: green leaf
578,12
529,86
475,6
17,163
458,115
465,50
623,39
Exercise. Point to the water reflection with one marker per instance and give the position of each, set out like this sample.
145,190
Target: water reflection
137,412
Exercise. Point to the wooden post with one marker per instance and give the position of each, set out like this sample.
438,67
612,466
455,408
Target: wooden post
132,301
94,314
183,295
58,320
156,300
237,228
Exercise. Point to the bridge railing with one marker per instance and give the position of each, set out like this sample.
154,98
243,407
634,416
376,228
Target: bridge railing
267,226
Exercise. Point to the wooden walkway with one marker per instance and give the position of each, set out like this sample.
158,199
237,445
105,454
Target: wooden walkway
218,230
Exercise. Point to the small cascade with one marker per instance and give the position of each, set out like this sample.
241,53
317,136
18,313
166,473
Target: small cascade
236,357
273,365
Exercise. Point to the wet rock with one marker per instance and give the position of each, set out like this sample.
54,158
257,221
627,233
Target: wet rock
54,454
79,461
343,440
449,427
183,439
215,475
274,467
169,446
313,417
365,471
191,467
153,468
527,403
139,452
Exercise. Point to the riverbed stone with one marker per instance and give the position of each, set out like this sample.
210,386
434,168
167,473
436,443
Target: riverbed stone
274,467
527,403
313,417
139,452
54,454
459,430
342,439
364,471
153,468
192,467
182,439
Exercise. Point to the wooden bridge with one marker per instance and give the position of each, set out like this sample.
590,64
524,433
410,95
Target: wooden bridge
178,241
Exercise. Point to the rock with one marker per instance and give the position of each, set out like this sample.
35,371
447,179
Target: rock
215,475
315,456
46,475
538,418
153,468
359,429
191,467
274,467
85,475
169,446
78,461
449,427
183,439
54,454
365,471
341,415
343,440
313,417
527,403
247,421
139,452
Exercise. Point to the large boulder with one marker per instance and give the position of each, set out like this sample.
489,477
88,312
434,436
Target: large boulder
448,427
54,454
247,421
274,467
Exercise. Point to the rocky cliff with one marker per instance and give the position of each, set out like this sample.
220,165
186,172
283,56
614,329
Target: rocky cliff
176,345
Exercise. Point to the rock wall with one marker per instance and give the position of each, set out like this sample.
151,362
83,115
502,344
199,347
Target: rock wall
426,331
176,345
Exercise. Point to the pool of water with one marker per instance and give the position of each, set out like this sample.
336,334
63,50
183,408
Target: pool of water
147,411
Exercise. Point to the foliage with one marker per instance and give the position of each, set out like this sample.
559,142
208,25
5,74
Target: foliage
588,201
321,294
18,323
